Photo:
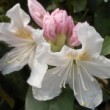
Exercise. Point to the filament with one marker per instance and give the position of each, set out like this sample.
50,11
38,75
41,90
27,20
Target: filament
87,73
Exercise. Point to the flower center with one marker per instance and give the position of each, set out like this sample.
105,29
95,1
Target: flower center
83,56
24,33
80,56
57,45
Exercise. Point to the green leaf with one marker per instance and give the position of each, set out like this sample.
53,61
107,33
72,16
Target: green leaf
63,102
102,19
79,5
16,86
94,4
106,46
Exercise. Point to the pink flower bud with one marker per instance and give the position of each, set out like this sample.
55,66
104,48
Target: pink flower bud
73,40
37,11
49,27
60,17
57,23
70,26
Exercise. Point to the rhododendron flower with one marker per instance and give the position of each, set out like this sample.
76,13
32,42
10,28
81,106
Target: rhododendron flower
77,67
55,25
25,41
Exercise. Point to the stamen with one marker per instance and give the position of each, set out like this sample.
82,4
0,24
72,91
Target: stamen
73,71
70,70
20,55
16,52
80,90
65,78
63,81
61,71
68,73
87,73
80,75
23,44
83,104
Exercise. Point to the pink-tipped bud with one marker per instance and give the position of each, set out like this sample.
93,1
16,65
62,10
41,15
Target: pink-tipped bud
56,24
70,26
73,40
49,27
37,11
60,17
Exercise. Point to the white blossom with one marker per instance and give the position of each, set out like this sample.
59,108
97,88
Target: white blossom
26,43
77,67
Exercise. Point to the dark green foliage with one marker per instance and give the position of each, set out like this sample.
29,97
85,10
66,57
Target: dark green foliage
64,102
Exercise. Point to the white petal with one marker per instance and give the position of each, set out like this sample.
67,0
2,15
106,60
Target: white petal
50,86
37,74
7,36
15,60
7,68
31,59
88,93
90,39
17,32
38,36
18,16
51,58
99,67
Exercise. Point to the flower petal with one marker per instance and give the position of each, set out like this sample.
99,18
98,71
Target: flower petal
15,60
18,16
37,11
49,33
38,36
37,74
50,85
99,67
51,58
87,91
17,32
90,39
7,36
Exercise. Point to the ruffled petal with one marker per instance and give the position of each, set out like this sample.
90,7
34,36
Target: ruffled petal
38,37
90,39
9,37
16,33
18,17
87,90
37,74
99,67
51,58
50,85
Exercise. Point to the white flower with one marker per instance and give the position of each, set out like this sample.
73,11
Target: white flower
77,68
26,41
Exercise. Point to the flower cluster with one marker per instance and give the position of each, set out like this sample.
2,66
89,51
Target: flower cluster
72,50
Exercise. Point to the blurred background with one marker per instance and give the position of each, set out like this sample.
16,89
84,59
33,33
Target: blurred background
13,87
